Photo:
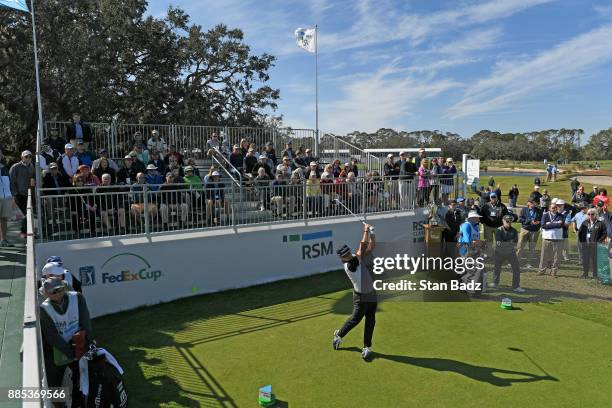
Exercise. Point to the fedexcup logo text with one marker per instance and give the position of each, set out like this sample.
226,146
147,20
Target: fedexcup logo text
125,267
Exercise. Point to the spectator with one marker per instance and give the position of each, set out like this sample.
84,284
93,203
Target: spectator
591,232
492,218
335,168
55,141
424,183
56,270
296,194
236,159
545,200
178,158
213,142
173,161
193,179
530,219
171,198
89,179
313,194
577,220
157,161
491,182
244,146
552,238
602,196
153,178
104,155
104,168
127,174
271,153
327,191
262,163
138,165
156,143
391,169
280,195
249,162
49,155
68,163
567,211
82,206
262,188
421,156
288,151
287,164
62,316
137,208
53,179
6,202
506,238
594,193
312,168
436,170
447,179
513,196
141,153
21,177
111,201
78,131
535,195
574,185
308,157
299,161
605,216
450,234
85,157
580,197
215,200
191,162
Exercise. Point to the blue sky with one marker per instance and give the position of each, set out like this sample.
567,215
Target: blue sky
460,66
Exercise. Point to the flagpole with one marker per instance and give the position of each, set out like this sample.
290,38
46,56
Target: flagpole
39,136
316,90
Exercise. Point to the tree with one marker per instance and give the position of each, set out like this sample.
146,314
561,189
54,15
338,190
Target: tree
599,146
107,59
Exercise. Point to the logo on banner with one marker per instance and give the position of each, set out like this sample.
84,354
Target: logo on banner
311,250
87,275
118,268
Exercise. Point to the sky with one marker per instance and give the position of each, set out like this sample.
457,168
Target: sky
454,66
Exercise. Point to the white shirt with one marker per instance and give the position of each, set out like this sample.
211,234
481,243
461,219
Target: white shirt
71,165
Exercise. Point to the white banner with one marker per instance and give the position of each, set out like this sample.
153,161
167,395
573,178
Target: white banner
472,170
306,38
125,273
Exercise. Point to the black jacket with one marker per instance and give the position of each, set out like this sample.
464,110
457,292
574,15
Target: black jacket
597,231
506,239
71,132
407,170
527,221
454,219
48,182
492,214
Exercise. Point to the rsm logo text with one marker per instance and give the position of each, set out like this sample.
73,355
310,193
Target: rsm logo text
310,249
124,267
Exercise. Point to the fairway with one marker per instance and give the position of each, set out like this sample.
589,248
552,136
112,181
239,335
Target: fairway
217,350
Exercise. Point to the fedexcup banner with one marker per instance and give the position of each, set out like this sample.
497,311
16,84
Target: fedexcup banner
306,38
15,4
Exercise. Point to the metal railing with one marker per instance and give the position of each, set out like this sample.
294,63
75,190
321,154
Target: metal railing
77,213
32,353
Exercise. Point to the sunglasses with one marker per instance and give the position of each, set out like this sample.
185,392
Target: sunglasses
56,291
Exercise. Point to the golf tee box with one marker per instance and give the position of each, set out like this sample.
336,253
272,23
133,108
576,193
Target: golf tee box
266,398
506,304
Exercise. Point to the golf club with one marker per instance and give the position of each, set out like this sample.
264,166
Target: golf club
532,361
337,200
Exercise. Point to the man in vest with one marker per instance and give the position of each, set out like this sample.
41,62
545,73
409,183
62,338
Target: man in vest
365,300
62,315
506,238
552,239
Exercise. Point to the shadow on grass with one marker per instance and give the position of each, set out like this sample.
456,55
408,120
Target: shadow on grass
474,372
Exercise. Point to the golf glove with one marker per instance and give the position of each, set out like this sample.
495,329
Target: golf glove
371,230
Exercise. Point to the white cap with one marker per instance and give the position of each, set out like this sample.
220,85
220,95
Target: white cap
53,268
26,153
449,159
536,187
151,167
216,173
560,202
473,214
312,163
68,146
390,155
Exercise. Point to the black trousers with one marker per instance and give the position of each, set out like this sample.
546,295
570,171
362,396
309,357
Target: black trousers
589,258
22,202
55,376
507,257
363,305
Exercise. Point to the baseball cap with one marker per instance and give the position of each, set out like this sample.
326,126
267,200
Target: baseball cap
128,157
449,159
402,153
216,173
554,201
508,217
493,195
151,167
536,187
560,202
390,155
103,151
53,268
460,199
133,154
473,214
155,131
26,153
313,163
68,146
56,259
344,251
189,168
53,166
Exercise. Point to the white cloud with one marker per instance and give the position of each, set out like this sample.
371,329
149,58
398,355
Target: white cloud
387,96
554,68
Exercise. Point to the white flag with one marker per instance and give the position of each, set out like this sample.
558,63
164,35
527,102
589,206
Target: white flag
306,38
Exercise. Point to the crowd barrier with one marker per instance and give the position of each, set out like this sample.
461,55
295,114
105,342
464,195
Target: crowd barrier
77,213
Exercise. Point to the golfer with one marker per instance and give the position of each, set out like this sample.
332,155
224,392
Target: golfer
364,295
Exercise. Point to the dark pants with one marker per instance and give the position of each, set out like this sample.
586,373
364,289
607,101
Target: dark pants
505,257
589,258
361,308
22,202
55,376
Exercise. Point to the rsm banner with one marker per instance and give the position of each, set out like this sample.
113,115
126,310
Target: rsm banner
124,273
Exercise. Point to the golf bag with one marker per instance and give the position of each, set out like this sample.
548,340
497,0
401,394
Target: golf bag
106,388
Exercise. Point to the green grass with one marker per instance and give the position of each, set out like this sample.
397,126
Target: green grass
216,350
579,165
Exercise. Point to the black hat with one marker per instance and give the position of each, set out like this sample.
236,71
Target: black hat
344,251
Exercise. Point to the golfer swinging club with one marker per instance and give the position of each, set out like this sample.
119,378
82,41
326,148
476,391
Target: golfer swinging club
364,295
